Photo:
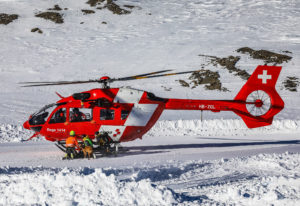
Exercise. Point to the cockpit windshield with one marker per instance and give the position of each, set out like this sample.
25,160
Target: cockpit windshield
41,116
44,109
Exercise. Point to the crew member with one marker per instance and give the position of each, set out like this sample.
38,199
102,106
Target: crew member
87,147
71,145
103,140
77,116
87,141
60,116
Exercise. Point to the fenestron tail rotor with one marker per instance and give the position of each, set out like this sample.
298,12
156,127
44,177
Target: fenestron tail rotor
104,80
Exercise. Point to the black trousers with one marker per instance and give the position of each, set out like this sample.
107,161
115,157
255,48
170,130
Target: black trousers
71,150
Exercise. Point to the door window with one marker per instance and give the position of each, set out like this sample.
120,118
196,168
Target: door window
80,114
107,114
124,114
59,116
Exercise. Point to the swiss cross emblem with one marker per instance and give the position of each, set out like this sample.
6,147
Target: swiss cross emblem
264,76
116,133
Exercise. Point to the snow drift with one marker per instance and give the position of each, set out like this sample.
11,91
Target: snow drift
257,180
221,127
84,187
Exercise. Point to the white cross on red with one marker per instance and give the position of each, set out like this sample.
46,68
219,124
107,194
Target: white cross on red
264,76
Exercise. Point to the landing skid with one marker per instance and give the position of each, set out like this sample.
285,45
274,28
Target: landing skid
60,146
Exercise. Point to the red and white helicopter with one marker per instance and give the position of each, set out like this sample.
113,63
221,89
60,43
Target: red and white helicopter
127,114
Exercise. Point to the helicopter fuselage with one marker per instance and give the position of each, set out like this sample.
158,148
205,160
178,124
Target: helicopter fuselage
127,114
124,113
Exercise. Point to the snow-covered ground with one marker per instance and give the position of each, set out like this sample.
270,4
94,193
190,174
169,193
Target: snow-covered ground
182,160
262,179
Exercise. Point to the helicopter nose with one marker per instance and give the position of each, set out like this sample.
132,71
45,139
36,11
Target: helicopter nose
26,125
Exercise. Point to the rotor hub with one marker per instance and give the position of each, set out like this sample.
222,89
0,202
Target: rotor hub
105,82
105,78
259,103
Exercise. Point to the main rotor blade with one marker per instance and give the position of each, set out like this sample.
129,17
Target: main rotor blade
45,83
160,75
60,83
141,76
138,76
54,82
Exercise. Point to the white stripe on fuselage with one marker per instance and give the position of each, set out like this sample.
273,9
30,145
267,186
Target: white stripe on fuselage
140,113
138,116
115,132
126,95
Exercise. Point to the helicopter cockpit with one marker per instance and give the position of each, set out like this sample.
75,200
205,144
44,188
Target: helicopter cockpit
41,116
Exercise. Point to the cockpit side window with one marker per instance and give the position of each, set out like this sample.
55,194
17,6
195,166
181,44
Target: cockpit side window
59,116
107,114
41,116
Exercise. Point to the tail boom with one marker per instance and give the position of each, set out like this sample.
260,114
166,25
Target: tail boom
256,103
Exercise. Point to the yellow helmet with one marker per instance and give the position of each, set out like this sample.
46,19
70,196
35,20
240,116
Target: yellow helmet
72,133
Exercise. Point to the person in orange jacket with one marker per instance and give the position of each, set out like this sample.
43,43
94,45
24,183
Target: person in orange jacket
71,145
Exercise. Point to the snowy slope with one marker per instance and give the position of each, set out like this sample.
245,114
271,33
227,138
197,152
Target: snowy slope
181,160
171,37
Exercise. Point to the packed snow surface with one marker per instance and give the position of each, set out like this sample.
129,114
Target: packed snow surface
254,180
181,160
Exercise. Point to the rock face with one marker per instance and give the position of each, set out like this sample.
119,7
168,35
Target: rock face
110,5
267,56
55,8
37,30
291,83
95,2
52,16
7,18
87,11
209,78
229,64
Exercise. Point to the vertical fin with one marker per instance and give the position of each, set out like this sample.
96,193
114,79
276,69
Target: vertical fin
261,100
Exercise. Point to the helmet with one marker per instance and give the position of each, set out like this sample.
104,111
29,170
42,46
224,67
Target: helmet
72,133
